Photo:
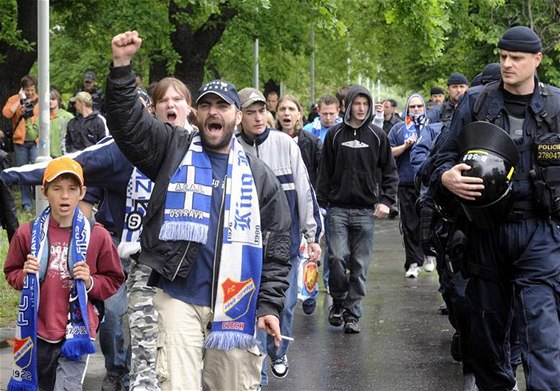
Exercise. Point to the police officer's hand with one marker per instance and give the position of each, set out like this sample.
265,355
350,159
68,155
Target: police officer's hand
465,187
124,47
271,324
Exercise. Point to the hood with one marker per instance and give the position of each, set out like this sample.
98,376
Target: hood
353,92
415,95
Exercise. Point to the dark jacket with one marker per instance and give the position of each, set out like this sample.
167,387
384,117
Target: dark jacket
351,161
157,150
310,147
8,212
535,120
387,125
83,132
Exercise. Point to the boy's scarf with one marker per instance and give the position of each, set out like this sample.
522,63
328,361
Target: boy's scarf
186,217
138,194
24,373
77,340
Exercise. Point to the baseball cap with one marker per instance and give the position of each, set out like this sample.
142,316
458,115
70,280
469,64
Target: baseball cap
63,165
82,96
224,89
248,96
89,76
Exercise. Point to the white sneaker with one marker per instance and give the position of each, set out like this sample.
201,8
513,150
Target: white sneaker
429,263
413,271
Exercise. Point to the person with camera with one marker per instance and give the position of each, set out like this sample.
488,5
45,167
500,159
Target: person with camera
23,109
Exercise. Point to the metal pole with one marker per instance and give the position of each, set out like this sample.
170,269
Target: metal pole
256,64
312,92
44,94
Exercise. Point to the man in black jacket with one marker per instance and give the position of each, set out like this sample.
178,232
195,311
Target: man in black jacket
189,272
354,153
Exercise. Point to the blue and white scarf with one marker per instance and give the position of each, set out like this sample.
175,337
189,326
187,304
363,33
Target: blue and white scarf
77,342
186,217
138,194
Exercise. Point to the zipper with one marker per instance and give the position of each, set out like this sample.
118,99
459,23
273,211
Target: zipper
218,245
265,243
181,262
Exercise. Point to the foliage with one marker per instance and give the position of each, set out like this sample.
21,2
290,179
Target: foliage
407,45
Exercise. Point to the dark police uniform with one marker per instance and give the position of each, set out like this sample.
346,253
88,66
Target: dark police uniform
518,260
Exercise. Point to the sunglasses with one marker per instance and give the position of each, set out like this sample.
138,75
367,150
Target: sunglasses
415,106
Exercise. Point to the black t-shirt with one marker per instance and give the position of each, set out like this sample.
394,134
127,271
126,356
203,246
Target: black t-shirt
516,104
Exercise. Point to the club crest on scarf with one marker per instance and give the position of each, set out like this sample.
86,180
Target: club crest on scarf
237,297
23,352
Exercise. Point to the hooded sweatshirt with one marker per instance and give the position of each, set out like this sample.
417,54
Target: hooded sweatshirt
351,160
402,131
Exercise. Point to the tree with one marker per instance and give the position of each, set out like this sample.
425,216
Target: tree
17,46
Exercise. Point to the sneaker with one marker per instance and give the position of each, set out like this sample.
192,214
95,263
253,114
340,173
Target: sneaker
309,305
469,382
429,263
413,271
336,315
352,326
280,367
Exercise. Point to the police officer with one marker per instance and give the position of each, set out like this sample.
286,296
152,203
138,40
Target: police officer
517,260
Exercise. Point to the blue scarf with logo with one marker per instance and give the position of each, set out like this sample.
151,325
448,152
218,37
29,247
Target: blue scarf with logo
78,341
186,217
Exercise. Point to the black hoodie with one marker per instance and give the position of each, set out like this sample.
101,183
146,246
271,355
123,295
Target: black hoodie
351,159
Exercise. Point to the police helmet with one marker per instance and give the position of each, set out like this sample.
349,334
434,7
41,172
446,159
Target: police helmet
492,155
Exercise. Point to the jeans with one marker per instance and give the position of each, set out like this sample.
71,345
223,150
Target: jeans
286,321
26,153
114,337
350,248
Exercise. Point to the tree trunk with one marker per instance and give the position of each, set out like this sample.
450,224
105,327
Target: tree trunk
18,63
194,47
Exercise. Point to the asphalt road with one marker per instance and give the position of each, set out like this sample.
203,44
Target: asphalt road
403,346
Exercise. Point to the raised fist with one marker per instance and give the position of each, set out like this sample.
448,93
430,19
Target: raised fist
124,46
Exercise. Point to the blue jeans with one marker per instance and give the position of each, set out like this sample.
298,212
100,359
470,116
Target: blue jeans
25,154
114,338
350,248
286,321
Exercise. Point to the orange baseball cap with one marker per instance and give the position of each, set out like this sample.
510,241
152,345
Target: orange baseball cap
63,165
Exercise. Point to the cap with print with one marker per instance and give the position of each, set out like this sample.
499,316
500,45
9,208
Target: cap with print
248,96
223,89
63,165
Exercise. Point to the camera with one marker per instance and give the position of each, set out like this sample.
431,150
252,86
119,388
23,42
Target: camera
27,108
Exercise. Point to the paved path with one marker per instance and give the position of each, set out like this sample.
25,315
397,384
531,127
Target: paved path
404,344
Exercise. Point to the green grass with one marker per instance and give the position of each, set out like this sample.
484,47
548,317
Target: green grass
9,297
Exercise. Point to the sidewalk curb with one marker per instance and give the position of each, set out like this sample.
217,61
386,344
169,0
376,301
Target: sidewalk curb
6,333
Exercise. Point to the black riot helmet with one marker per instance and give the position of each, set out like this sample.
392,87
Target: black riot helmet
492,155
